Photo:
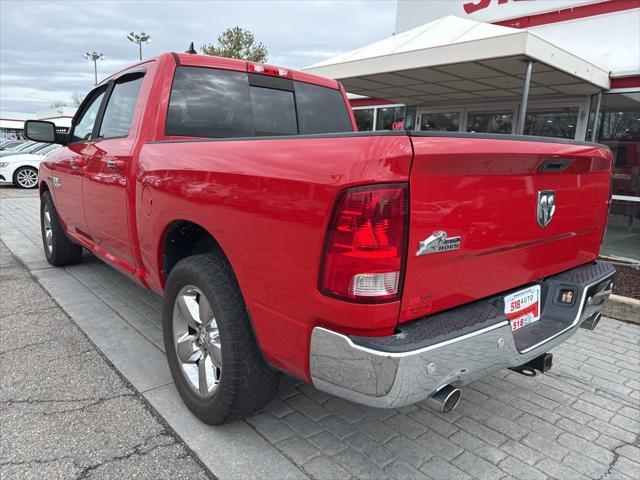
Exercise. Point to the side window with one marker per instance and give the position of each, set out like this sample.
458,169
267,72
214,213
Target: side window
118,116
84,126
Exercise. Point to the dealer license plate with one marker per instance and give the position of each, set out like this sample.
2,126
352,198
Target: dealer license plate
523,307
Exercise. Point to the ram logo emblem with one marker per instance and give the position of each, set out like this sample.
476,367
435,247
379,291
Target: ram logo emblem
546,207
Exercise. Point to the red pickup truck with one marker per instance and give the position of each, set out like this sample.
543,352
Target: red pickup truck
383,267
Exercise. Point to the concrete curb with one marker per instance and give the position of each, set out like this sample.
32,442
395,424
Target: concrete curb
622,308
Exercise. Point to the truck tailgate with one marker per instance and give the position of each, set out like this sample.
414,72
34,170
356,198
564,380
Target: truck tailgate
489,192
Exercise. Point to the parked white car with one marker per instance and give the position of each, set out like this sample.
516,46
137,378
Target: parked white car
22,169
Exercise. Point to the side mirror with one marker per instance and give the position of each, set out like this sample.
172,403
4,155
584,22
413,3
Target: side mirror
41,131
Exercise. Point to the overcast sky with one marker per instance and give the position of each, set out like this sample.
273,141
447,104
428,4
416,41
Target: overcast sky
42,43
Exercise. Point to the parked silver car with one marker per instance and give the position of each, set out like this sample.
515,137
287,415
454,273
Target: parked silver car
26,147
10,144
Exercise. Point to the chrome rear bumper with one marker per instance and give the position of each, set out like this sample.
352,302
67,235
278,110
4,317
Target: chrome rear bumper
383,374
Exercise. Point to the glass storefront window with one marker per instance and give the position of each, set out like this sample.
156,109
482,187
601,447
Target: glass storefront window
619,128
490,122
390,118
364,119
553,122
440,122
410,117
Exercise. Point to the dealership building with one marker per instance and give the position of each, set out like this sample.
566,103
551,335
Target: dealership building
12,123
557,68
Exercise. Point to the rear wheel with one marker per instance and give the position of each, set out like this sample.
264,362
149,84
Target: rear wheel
26,177
212,352
58,249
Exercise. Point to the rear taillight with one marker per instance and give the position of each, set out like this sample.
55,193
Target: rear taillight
365,244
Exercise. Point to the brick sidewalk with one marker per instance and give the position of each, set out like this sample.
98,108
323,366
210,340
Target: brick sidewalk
581,420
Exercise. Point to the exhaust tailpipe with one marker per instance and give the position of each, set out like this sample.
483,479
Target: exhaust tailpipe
446,399
591,322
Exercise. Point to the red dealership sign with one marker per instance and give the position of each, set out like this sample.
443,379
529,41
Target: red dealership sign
476,5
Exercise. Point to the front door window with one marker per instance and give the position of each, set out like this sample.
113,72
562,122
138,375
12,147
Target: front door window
84,125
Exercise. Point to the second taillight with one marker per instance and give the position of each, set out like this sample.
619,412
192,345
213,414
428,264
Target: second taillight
365,245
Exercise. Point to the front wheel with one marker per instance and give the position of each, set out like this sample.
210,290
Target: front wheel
58,249
213,356
26,177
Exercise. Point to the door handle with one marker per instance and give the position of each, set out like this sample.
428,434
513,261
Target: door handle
78,161
116,164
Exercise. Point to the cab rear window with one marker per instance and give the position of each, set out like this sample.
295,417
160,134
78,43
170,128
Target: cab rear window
207,102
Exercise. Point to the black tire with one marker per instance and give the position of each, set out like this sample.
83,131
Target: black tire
246,382
61,250
26,177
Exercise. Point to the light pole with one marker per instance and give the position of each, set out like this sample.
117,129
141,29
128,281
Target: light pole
94,57
139,38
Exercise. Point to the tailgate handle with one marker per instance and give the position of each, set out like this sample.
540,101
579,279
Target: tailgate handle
552,165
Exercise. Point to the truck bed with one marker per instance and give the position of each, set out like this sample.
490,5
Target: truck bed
268,202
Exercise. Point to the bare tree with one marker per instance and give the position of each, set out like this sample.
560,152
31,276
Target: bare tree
76,99
57,105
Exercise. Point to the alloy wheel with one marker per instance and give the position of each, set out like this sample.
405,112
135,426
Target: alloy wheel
197,340
27,178
48,232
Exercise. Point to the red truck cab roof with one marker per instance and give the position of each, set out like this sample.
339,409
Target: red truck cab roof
209,61
193,60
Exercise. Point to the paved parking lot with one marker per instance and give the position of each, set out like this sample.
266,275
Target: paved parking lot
582,420
64,411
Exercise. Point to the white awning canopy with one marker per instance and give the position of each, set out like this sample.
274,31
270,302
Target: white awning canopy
455,59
